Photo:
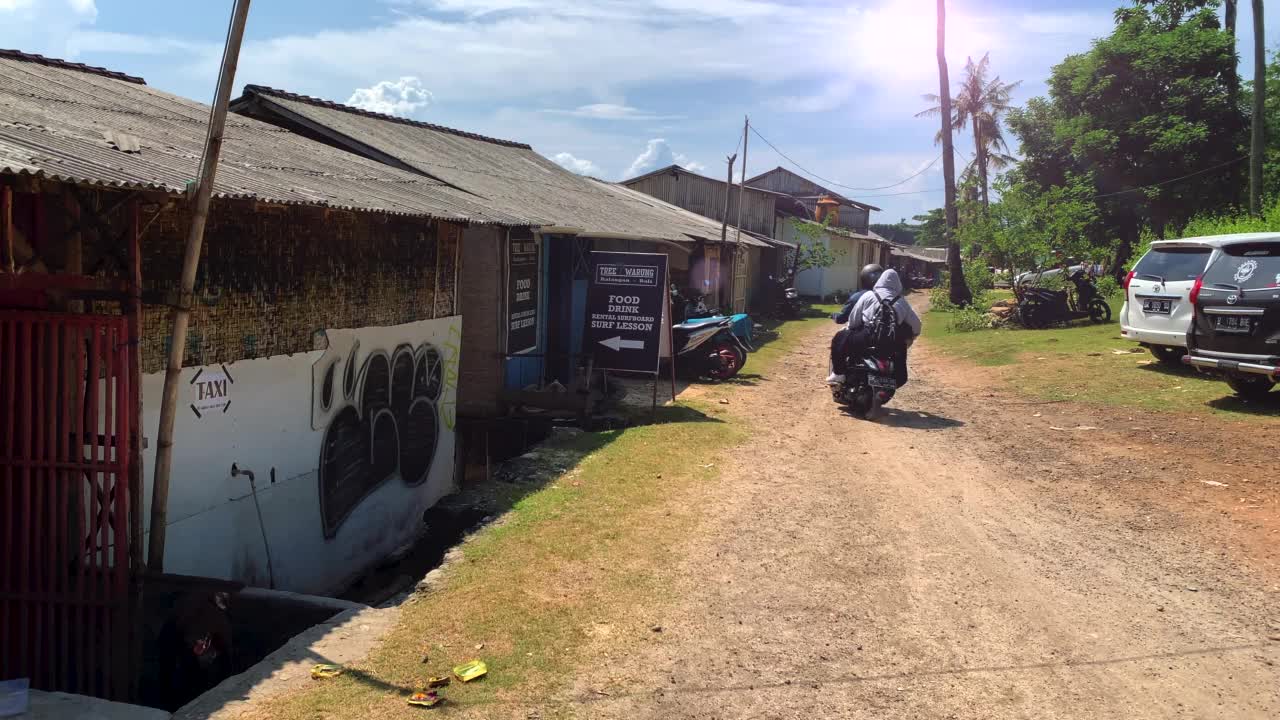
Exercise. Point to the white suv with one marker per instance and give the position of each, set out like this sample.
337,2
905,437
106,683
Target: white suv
1157,310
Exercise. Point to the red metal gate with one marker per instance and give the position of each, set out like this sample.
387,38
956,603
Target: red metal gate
66,410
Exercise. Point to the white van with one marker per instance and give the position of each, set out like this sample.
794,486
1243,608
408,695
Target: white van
1157,308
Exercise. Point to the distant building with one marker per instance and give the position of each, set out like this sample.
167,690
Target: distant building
850,214
763,214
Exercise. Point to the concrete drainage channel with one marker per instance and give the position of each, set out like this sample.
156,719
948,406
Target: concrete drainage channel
348,633
278,636
334,631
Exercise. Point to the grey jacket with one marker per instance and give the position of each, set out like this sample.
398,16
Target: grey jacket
887,287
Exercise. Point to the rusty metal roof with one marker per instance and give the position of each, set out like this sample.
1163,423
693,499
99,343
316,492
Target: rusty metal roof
92,126
508,176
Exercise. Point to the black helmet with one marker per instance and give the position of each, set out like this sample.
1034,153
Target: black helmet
870,275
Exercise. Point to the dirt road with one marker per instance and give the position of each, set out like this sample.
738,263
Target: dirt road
958,559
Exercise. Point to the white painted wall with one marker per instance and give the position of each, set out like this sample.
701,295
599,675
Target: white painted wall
276,419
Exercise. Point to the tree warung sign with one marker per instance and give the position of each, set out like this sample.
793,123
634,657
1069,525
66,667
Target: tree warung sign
624,310
522,295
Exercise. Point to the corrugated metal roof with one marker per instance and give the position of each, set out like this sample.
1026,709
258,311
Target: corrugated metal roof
56,117
933,255
508,177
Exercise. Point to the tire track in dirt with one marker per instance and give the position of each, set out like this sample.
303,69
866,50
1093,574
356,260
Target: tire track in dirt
929,566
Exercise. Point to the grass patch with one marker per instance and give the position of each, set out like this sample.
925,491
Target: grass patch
569,560
1079,363
778,339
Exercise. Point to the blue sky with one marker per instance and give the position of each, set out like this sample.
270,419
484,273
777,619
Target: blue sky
608,87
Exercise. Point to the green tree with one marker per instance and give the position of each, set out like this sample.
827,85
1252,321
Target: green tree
931,228
811,252
899,232
1271,119
1137,114
1028,226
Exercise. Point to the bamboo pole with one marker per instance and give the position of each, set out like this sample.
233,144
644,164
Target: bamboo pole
737,243
190,262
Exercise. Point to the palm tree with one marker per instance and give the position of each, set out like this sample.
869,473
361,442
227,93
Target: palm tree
1259,109
980,103
960,294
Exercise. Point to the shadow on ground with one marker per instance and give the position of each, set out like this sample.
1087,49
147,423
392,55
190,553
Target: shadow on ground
1267,407
917,420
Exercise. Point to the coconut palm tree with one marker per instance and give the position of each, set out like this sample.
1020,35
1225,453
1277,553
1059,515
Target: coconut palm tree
980,104
960,294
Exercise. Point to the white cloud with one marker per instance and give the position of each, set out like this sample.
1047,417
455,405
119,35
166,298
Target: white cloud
612,111
658,154
44,26
577,165
403,97
832,96
1093,24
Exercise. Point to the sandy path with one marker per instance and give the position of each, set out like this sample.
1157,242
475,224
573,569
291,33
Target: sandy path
949,561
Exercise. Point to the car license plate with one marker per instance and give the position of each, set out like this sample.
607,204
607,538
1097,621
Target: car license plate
1234,324
1157,305
880,382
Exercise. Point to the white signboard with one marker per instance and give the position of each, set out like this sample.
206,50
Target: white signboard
210,391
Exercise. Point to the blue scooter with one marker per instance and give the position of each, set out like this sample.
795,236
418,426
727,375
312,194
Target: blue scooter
696,312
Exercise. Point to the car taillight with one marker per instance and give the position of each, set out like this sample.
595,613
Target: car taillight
1128,279
1195,292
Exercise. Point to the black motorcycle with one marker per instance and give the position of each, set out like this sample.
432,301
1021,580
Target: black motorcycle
869,382
870,379
786,300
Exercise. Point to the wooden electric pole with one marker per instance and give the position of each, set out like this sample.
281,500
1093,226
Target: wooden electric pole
728,188
190,262
737,243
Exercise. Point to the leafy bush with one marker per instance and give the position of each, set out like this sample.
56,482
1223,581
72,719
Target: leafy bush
1241,222
970,319
979,277
940,295
1108,287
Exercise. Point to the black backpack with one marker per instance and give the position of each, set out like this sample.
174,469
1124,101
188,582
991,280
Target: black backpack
884,330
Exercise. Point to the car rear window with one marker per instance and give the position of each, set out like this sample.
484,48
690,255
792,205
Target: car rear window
1173,263
1246,266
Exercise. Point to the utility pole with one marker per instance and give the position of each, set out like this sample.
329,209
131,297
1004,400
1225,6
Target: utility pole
737,243
190,262
724,225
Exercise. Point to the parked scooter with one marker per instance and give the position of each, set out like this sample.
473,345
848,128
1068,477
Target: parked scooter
786,300
691,308
708,348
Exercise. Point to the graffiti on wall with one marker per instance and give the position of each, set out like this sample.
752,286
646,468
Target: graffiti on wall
382,398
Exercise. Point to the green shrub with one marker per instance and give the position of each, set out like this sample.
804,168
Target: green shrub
940,296
970,319
1241,222
1108,287
978,277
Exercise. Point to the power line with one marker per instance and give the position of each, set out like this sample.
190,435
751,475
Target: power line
1219,166
1162,183
899,194
833,182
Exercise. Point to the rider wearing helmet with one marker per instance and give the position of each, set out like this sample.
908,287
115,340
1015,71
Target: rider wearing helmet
866,281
